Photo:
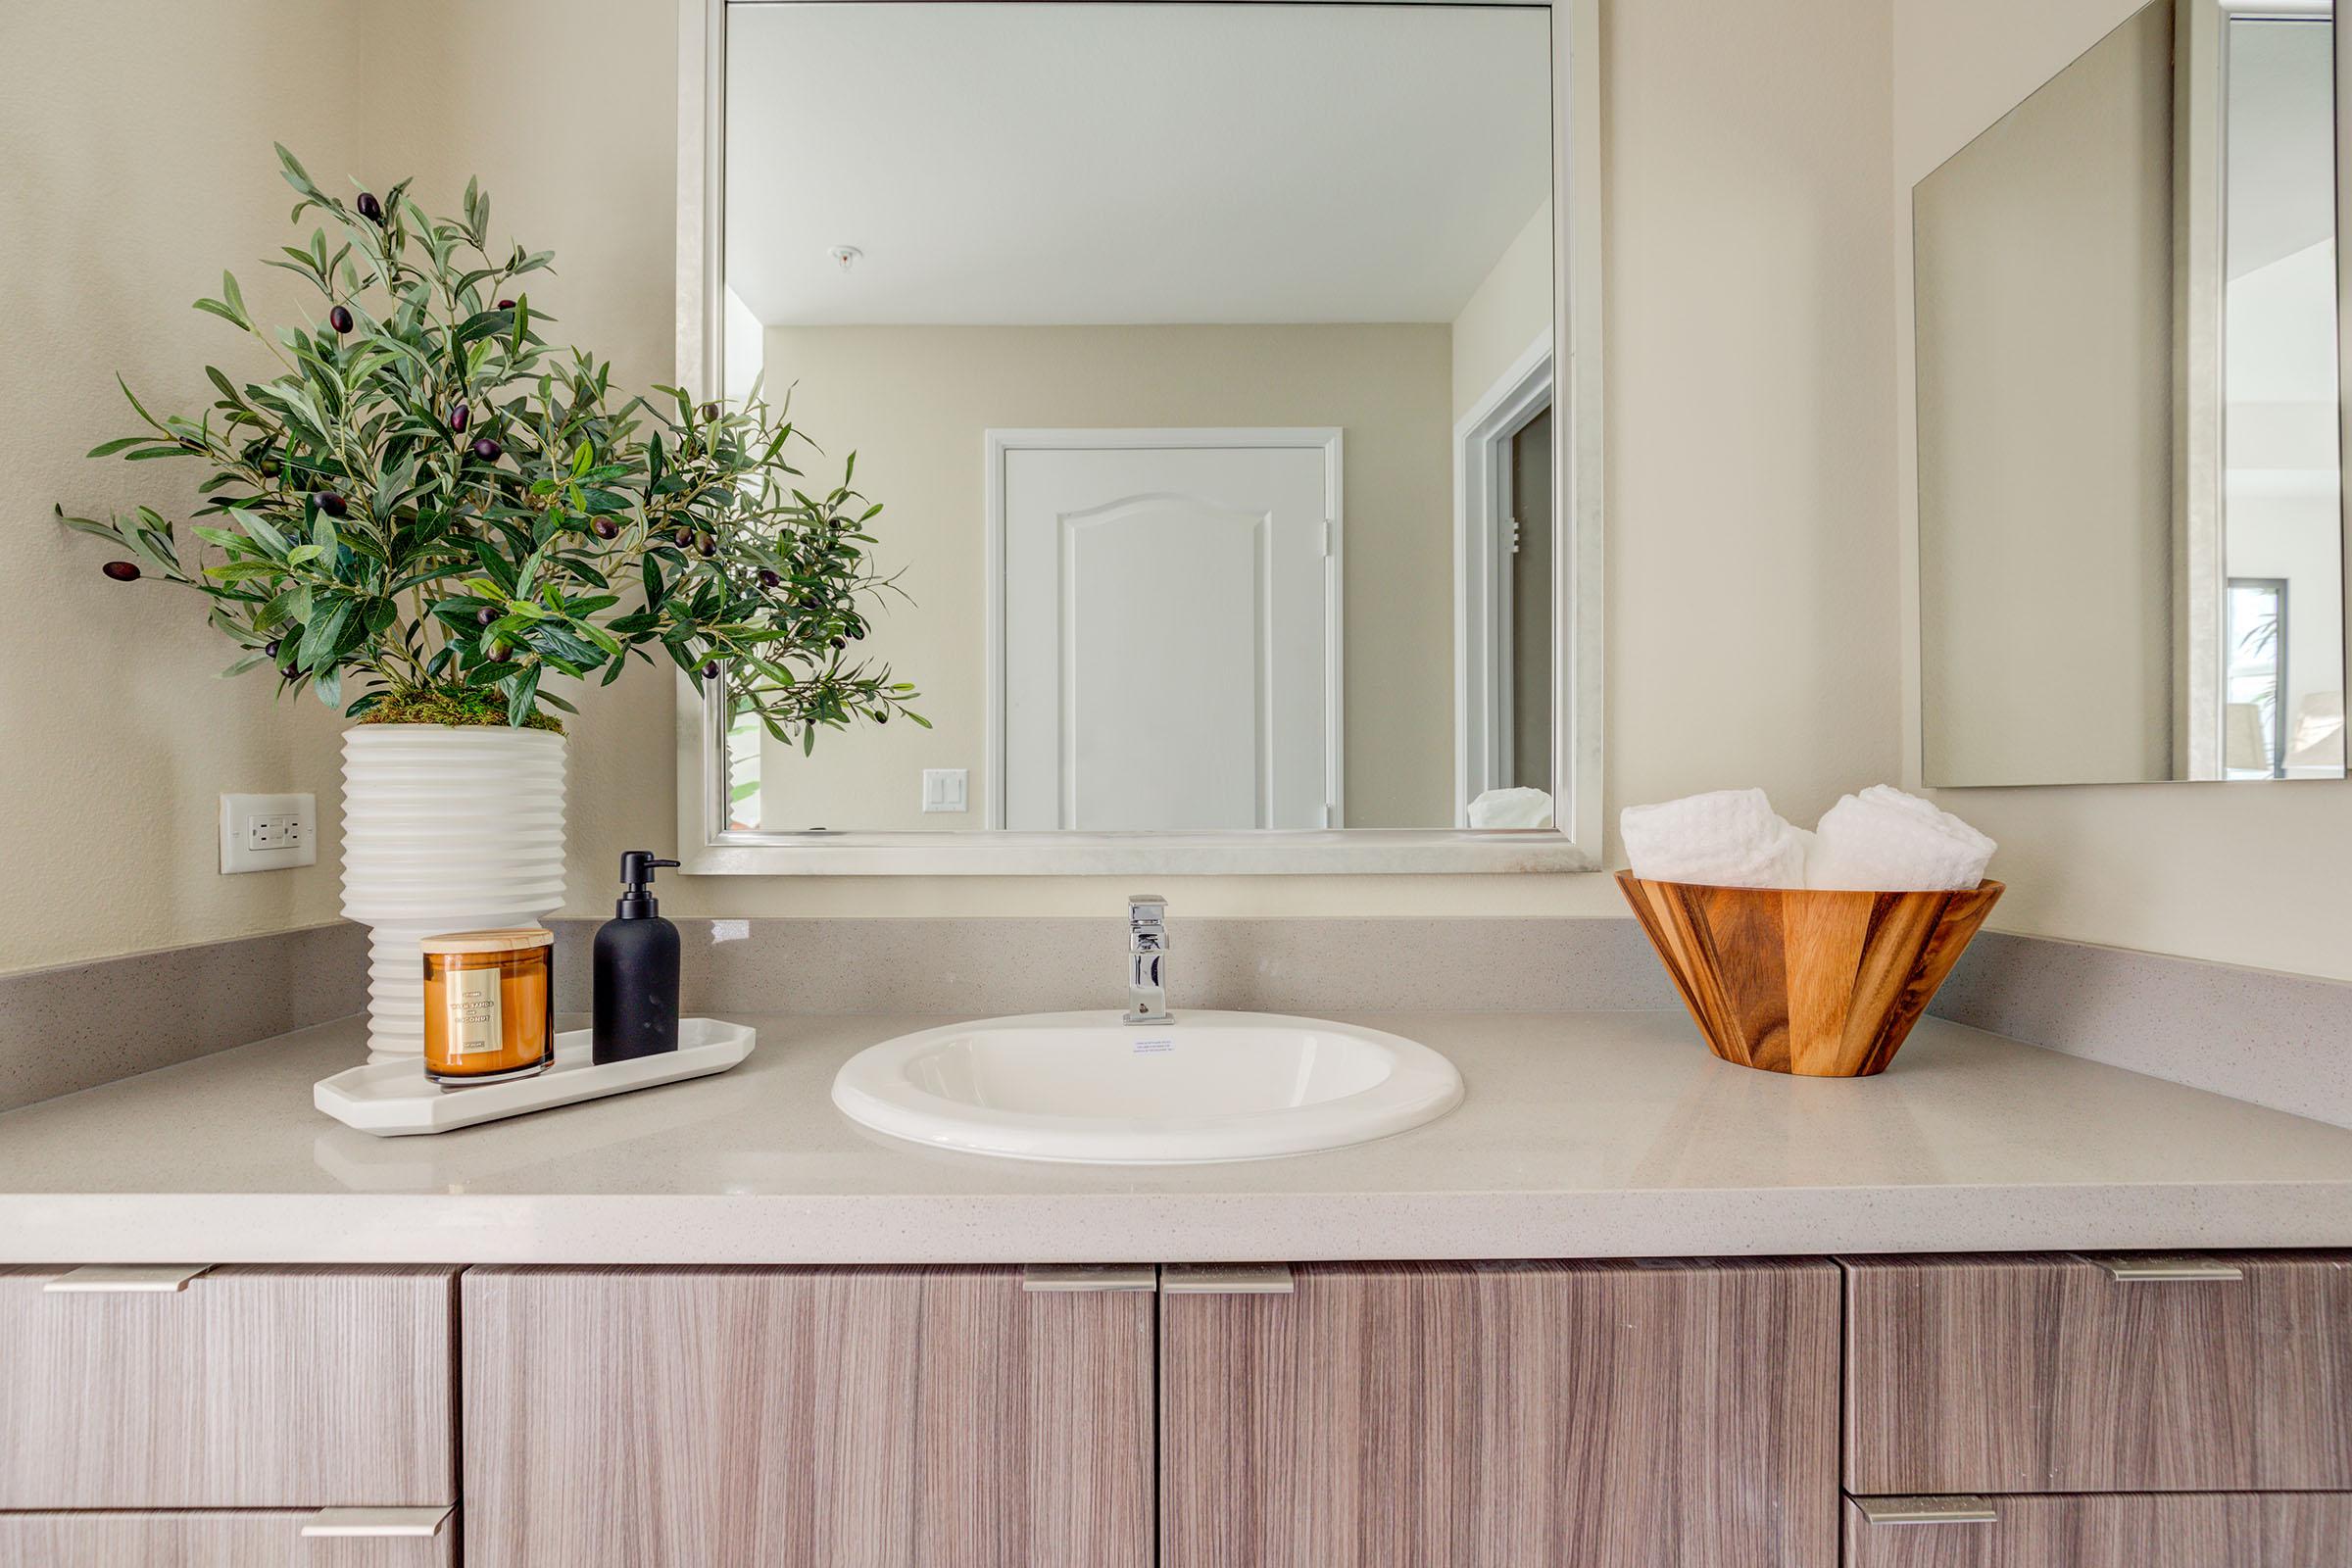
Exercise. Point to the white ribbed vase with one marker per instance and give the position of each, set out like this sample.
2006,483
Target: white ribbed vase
444,830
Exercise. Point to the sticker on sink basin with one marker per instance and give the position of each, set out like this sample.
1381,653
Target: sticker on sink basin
1155,1046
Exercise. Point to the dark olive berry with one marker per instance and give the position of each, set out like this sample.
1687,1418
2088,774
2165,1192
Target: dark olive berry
487,449
484,615
333,505
707,545
291,672
881,716
837,643
711,670
506,305
709,410
768,579
339,318
683,538
459,417
121,571
271,648
369,207
498,652
606,528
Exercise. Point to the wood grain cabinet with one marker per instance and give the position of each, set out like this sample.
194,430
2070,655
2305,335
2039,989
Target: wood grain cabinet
2052,1373
249,1388
1520,1415
804,1418
205,1539
2175,1530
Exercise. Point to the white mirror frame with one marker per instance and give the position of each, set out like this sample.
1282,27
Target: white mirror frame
709,847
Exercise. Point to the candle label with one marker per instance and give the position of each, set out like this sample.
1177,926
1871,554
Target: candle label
474,1024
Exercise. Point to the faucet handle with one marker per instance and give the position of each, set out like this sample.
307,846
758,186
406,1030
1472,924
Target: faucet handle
1145,906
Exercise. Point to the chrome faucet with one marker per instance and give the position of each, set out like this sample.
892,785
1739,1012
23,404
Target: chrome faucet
1147,959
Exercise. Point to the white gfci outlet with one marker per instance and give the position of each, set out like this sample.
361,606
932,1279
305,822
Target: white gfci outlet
267,832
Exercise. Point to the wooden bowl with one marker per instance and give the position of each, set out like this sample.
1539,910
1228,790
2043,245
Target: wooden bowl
1819,983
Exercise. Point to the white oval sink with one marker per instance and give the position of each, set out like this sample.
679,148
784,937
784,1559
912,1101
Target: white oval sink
1086,1085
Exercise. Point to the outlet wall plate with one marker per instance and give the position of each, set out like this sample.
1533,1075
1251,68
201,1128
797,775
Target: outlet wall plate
267,832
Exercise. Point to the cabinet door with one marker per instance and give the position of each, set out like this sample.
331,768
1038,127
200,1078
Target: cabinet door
1505,1417
2177,1529
803,1418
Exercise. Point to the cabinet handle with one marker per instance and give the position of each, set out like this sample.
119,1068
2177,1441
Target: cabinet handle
377,1523
1225,1279
2134,1269
112,1278
1927,1510
1044,1278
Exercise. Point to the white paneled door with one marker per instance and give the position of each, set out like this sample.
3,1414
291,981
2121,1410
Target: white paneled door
1165,648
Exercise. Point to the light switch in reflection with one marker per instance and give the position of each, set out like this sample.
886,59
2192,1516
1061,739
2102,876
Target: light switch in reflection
944,790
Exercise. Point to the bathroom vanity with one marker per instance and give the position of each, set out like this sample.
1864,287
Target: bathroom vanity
1626,1306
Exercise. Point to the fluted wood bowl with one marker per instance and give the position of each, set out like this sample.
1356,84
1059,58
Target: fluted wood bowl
1824,984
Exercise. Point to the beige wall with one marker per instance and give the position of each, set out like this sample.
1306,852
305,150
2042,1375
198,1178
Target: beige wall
1506,313
2242,874
137,141
2045,300
1750,613
914,401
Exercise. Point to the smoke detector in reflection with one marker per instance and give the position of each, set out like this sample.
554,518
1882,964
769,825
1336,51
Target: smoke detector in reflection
845,257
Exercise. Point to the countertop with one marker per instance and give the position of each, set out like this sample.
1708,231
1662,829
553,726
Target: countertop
1583,1134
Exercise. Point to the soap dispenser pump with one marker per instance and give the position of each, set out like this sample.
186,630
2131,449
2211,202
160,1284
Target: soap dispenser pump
636,988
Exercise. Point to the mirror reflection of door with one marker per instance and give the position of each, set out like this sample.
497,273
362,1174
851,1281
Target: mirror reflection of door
1167,654
1530,675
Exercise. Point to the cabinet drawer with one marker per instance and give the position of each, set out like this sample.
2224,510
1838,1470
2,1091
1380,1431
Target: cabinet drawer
270,1539
250,1387
1513,1415
2207,1530
2050,1373
804,1418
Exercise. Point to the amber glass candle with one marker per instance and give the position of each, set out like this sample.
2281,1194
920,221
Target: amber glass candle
489,1006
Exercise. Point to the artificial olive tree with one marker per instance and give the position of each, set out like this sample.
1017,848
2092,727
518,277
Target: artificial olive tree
429,510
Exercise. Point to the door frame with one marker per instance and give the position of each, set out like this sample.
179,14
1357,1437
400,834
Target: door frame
1483,579
1323,438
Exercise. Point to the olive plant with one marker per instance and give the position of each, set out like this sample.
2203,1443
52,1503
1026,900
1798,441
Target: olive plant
428,509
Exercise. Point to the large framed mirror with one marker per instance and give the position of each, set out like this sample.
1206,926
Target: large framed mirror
1228,377
2130,415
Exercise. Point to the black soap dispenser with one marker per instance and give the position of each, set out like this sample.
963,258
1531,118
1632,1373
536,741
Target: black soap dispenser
636,995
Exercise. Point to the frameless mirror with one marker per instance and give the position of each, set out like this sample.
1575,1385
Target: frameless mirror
1201,359
2131,536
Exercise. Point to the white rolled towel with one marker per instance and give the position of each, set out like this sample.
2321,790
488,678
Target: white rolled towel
1727,839
1513,808
1885,840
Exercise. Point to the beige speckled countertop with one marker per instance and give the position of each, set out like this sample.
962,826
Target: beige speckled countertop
1608,1134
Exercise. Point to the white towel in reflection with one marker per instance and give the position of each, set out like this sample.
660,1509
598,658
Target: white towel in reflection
1886,841
1519,808
1726,839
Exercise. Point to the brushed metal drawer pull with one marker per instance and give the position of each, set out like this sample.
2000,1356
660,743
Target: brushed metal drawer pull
2157,1269
93,1279
1927,1510
1046,1278
1226,1279
377,1523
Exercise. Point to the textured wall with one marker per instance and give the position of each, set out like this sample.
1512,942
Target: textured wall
137,141
1750,602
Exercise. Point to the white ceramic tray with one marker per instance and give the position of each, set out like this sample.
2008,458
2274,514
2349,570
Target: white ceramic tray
395,1099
